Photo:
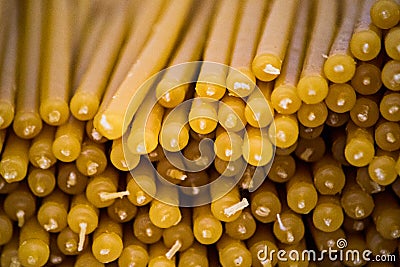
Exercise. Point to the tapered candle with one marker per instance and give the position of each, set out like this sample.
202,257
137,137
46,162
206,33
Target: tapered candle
365,112
27,122
233,252
122,210
196,255
14,159
340,65
392,43
141,184
286,130
157,256
328,214
87,96
9,252
257,148
207,229
68,242
144,229
385,14
329,178
263,238
118,107
41,182
389,107
282,169
203,115
288,227
86,258
367,78
258,111
211,81
359,149
231,113
313,87
8,77
70,180
121,157
274,40
310,150
364,180
265,203
243,227
228,145
312,115
56,72
6,228
92,159
341,97
52,214
241,80
165,215
40,150
386,215
382,170
377,244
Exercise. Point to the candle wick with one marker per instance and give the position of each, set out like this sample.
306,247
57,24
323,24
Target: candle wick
149,232
395,233
327,221
241,85
284,103
195,190
358,226
396,78
301,204
307,153
376,186
173,143
167,97
140,198
365,48
206,233
173,250
71,181
311,116
393,109
31,260
124,163
390,138
84,110
122,214
92,168
30,129
271,69
96,135
329,184
176,174
266,263
359,212
338,68
54,116
20,217
15,262
10,175
65,152
210,91
104,251
280,223
70,246
311,92
242,229
202,124
238,261
141,148
281,135
289,237
236,207
104,122
358,155
380,174
263,211
281,173
39,189
104,196
366,81
43,162
82,234
231,121
341,102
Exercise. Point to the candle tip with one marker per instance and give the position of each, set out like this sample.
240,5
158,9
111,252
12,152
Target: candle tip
210,91
311,116
140,199
206,233
380,174
167,97
358,155
173,250
262,211
122,215
104,196
393,109
54,116
229,211
43,162
242,229
28,130
65,152
359,212
10,175
96,135
366,81
231,121
340,102
301,204
31,260
51,225
365,48
20,217
281,135
241,85
238,261
71,181
92,168
285,102
338,68
84,110
289,237
269,69
82,234
327,221
329,184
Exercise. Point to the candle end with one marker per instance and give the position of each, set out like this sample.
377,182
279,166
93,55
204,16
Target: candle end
92,168
173,250
229,211
54,116
43,162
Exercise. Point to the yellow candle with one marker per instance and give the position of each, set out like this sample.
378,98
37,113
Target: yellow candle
286,131
265,203
390,75
87,96
165,215
341,97
174,134
365,43
263,238
365,112
329,178
328,214
381,169
288,227
118,108
258,111
14,159
359,149
233,252
367,78
141,184
157,256
389,107
40,151
231,113
385,14
52,214
243,227
27,122
241,80
93,134
312,115
203,115
41,182
313,86
228,145
55,74
70,180
92,159
8,76
282,169
122,210
6,228
144,229
340,66
135,253
211,81
196,255
121,157
257,148
207,229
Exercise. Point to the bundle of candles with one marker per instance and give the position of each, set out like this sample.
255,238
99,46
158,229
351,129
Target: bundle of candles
80,159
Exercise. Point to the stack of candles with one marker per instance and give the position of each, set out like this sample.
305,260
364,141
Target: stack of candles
301,100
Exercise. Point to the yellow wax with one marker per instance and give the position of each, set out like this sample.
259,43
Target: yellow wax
274,40
228,145
341,97
92,159
41,182
165,215
70,180
121,157
385,13
313,86
359,149
258,111
231,113
286,131
312,115
40,151
93,134
390,75
257,148
174,133
203,115
141,184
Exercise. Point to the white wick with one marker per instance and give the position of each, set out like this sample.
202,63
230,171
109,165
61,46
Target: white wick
71,181
92,168
236,207
263,211
51,225
338,68
104,196
82,234
271,70
84,110
20,217
43,162
54,116
173,250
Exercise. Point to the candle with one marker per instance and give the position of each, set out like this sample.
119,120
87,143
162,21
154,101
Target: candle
173,87
174,134
310,150
282,169
385,14
288,227
359,149
310,132
122,210
301,194
341,97
121,157
258,111
93,134
33,244
92,159
157,154
52,214
389,107
207,229
392,42
9,252
179,237
40,150
241,80
231,113
196,255
253,177
312,115
144,229
87,96
203,115
328,176
6,228
367,79
365,112
14,159
286,131
340,65
146,126
257,148
82,218
157,256
86,258
228,207
382,170
70,180
233,252
338,141
274,40
56,257
211,81
141,184
67,143
68,242
326,240
365,43
101,189
328,214
356,203
27,122
5,187
265,203
192,185
313,86
166,213
20,205
107,240
117,106
335,119
41,182
356,242
55,74
229,168
377,244
243,227
354,225
262,238
228,145
396,186
386,215
8,76
134,253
